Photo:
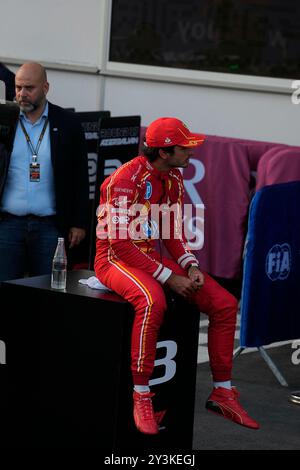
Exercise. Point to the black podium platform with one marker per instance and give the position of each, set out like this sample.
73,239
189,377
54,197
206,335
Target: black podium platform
68,368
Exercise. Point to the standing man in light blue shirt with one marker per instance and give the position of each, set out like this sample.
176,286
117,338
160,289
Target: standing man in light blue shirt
44,183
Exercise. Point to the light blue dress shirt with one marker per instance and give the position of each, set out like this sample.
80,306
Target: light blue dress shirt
22,196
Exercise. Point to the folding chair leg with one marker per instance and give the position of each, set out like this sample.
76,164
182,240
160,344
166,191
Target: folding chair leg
269,362
238,351
273,367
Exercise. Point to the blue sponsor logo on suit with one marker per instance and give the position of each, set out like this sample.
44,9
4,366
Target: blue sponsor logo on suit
150,229
148,191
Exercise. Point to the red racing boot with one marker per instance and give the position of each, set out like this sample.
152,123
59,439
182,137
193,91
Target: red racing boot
143,413
225,402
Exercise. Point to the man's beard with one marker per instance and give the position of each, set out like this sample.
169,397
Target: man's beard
28,107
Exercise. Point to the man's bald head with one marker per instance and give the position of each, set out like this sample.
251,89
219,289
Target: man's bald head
31,87
33,68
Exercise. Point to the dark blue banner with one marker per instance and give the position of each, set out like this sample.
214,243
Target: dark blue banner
270,306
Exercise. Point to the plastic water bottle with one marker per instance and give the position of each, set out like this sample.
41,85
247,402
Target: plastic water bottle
59,266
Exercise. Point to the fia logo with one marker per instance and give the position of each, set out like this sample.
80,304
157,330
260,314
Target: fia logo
148,191
278,262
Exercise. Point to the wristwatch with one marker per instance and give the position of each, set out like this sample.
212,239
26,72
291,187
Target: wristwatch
194,265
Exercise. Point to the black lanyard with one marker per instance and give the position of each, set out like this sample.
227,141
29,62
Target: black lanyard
36,149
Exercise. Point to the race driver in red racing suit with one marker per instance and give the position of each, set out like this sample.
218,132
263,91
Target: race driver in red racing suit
128,263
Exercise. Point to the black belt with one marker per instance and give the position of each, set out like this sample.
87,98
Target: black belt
7,216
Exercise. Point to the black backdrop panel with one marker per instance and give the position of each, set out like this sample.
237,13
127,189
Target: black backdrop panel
90,123
79,255
119,139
